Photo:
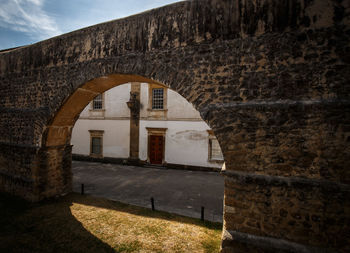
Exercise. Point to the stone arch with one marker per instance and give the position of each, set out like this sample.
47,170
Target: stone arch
55,150
270,77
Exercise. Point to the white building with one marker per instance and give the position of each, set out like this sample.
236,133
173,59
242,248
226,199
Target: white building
163,129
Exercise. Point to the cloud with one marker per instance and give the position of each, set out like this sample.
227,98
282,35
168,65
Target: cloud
27,16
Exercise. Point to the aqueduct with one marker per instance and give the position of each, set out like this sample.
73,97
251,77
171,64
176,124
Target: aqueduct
270,77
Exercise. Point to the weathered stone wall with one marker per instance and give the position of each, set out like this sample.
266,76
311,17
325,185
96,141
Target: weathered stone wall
17,163
270,77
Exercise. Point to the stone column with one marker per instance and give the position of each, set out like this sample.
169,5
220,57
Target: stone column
134,106
53,176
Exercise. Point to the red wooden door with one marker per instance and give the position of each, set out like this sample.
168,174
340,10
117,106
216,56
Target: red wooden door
156,149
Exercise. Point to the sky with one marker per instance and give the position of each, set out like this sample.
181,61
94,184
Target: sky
24,22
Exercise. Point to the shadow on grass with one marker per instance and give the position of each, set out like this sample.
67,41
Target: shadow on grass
141,211
49,226
45,227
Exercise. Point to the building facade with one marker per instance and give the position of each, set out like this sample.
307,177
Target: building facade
146,123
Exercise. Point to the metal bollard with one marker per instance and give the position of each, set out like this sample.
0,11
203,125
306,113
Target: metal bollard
202,213
82,189
152,203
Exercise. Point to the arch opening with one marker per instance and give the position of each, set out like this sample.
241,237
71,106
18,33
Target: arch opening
57,148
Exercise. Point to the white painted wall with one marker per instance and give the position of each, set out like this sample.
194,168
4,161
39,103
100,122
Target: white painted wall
144,100
116,137
186,140
180,108
114,101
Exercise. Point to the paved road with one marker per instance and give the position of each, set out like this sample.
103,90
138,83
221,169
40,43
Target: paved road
176,191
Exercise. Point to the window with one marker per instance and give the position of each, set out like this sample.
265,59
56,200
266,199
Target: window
96,143
157,101
158,98
215,153
97,103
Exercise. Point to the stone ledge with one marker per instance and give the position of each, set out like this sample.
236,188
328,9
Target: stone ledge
265,244
124,161
191,167
297,182
204,111
278,103
138,162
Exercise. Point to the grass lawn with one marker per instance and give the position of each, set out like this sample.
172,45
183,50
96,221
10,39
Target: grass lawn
76,223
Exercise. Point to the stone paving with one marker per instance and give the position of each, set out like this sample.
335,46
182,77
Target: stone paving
176,191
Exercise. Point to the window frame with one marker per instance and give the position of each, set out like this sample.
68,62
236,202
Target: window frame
157,113
156,99
102,103
96,134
